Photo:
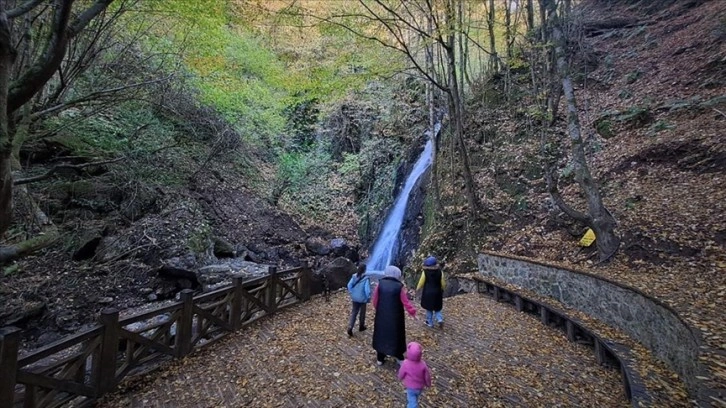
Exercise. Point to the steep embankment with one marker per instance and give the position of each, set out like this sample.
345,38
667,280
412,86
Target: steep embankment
652,100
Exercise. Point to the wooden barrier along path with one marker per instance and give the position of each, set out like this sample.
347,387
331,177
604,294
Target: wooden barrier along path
607,352
83,367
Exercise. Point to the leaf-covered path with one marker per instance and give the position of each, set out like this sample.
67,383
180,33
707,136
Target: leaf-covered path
487,355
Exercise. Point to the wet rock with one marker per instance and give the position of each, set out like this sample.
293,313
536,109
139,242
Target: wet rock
223,249
337,273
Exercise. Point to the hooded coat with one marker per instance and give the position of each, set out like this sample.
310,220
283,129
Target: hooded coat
389,299
432,294
414,372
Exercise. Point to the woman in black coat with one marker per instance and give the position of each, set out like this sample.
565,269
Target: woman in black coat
389,330
433,283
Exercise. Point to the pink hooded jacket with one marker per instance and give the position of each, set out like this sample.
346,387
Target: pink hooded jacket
414,372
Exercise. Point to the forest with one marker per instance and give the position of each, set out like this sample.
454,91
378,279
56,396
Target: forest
144,141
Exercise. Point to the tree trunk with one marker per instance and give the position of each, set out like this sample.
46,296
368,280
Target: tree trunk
530,14
601,221
7,56
455,101
430,100
508,28
494,58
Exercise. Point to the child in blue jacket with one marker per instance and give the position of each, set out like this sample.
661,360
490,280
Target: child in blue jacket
359,287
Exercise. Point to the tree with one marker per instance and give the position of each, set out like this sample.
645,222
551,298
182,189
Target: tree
597,217
19,83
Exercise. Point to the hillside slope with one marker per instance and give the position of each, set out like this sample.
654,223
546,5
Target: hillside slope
652,99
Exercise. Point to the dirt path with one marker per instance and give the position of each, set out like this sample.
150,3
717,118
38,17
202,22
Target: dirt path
487,355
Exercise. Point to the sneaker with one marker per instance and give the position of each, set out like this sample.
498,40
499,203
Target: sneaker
379,362
441,324
429,324
350,332
362,328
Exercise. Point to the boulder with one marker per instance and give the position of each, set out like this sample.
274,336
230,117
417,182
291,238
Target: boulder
222,248
337,273
89,242
339,247
317,246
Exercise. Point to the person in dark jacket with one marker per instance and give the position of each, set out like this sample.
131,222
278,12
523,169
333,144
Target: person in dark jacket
389,330
433,284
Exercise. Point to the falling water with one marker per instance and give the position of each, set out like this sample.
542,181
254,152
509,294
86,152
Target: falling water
387,241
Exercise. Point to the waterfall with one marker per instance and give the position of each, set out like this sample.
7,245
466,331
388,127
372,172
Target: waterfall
387,242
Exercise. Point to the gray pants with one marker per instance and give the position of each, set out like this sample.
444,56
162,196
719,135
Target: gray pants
358,309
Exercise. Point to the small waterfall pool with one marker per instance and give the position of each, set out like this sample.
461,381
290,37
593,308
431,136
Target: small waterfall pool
387,242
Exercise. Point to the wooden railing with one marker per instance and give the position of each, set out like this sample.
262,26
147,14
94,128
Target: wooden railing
608,353
83,367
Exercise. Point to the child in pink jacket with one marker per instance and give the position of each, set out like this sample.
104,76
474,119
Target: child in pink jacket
414,373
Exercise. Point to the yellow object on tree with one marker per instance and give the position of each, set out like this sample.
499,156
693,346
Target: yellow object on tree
588,238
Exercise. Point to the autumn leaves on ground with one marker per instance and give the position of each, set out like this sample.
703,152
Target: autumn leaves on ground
487,355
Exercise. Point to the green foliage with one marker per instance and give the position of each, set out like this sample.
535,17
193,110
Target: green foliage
568,171
302,116
11,269
520,204
604,128
200,239
633,76
636,116
660,126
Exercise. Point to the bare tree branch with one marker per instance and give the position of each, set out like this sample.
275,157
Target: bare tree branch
48,174
23,8
33,79
95,96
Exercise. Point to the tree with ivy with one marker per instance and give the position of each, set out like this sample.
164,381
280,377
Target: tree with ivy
35,39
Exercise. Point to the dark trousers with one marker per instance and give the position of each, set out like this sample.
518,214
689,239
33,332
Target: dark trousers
358,309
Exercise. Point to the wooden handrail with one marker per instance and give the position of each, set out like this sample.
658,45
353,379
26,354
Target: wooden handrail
607,352
90,364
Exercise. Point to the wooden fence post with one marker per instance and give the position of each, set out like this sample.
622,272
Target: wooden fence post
236,313
518,303
570,330
9,340
305,278
184,325
105,366
272,289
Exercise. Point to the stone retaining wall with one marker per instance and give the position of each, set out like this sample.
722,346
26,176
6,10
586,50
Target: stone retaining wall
647,320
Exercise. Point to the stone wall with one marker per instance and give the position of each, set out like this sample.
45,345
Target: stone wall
647,320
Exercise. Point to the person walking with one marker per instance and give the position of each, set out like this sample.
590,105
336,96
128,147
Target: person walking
359,287
389,330
432,296
414,373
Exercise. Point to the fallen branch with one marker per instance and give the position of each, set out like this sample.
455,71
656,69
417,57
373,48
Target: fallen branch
12,252
58,167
